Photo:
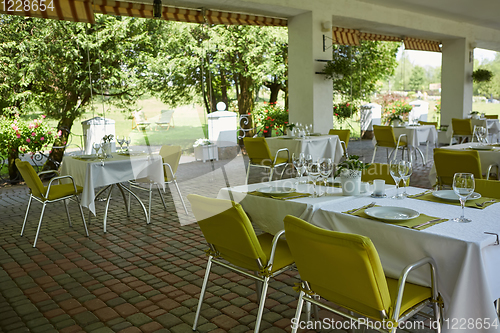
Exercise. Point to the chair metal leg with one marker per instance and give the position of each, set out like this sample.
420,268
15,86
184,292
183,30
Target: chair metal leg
283,172
202,292
67,212
180,196
296,319
39,224
261,304
83,218
271,172
421,155
248,172
26,215
107,207
161,196
148,220
374,152
124,200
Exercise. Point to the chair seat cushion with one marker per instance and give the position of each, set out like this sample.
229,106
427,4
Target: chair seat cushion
283,256
413,294
267,162
62,190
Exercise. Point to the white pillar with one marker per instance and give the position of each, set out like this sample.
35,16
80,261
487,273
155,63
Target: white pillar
456,80
310,95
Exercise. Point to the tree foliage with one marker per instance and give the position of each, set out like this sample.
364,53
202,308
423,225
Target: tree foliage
357,70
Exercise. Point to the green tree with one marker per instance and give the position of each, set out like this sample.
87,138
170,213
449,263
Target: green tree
417,79
357,70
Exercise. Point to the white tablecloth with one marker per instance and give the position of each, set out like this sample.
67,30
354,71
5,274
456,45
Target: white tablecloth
492,125
93,174
418,134
487,157
317,146
468,262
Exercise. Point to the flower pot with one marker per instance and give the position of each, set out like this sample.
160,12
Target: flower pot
351,182
106,149
206,152
396,123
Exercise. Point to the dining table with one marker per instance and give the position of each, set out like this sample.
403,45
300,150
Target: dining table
92,172
489,155
318,146
467,255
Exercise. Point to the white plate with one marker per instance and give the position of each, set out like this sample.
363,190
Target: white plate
316,134
452,196
87,157
481,147
276,190
392,213
132,153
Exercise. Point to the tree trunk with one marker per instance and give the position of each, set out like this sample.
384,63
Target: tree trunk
223,89
245,101
56,154
13,172
275,88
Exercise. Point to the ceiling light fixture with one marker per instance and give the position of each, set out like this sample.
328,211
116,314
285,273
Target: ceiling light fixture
157,8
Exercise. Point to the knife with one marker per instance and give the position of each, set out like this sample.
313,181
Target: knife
428,222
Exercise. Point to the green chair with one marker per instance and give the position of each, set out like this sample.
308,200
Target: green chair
448,162
377,171
488,188
462,128
343,135
345,269
53,192
384,135
433,123
233,244
260,156
171,156
491,116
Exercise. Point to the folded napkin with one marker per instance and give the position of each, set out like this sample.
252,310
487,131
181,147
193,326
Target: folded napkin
418,223
288,196
321,183
480,203
85,159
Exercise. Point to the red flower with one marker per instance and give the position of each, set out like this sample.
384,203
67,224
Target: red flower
265,131
267,127
286,122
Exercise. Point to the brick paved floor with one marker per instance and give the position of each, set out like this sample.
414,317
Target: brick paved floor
136,277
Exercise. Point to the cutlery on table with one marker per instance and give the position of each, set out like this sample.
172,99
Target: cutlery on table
364,207
484,203
428,222
420,194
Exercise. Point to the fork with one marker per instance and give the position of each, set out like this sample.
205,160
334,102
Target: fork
364,207
484,203
425,223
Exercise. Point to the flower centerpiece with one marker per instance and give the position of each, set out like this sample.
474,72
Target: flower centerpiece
202,142
350,175
396,111
205,150
474,114
272,117
343,111
106,144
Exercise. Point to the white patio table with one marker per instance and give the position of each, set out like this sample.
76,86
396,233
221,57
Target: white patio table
91,173
317,146
487,157
492,126
468,260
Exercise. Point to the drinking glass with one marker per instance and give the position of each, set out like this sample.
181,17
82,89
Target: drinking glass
463,185
394,170
313,171
121,140
127,141
96,146
405,171
325,169
298,163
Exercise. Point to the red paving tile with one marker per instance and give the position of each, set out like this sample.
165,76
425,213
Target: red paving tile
151,327
94,304
69,304
126,309
106,314
168,304
108,296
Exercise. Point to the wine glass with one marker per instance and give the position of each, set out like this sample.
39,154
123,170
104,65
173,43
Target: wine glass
298,163
394,170
463,185
325,169
405,171
313,171
121,140
127,141
96,146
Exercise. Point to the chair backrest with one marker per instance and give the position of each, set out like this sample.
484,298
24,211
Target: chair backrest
377,171
342,268
448,162
433,123
491,116
488,188
461,126
31,178
257,150
343,134
172,156
384,136
227,228
139,116
166,116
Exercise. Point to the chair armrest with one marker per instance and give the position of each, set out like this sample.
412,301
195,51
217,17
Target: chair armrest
170,168
273,248
58,179
280,150
48,171
342,144
404,275
491,166
399,139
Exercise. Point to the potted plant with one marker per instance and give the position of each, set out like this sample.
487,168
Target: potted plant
271,116
205,150
343,111
350,175
395,120
397,110
106,144
482,75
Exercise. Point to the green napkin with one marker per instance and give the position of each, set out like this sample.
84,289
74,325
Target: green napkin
415,223
285,138
85,159
480,203
288,196
338,185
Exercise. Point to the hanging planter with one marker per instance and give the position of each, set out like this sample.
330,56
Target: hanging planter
482,75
